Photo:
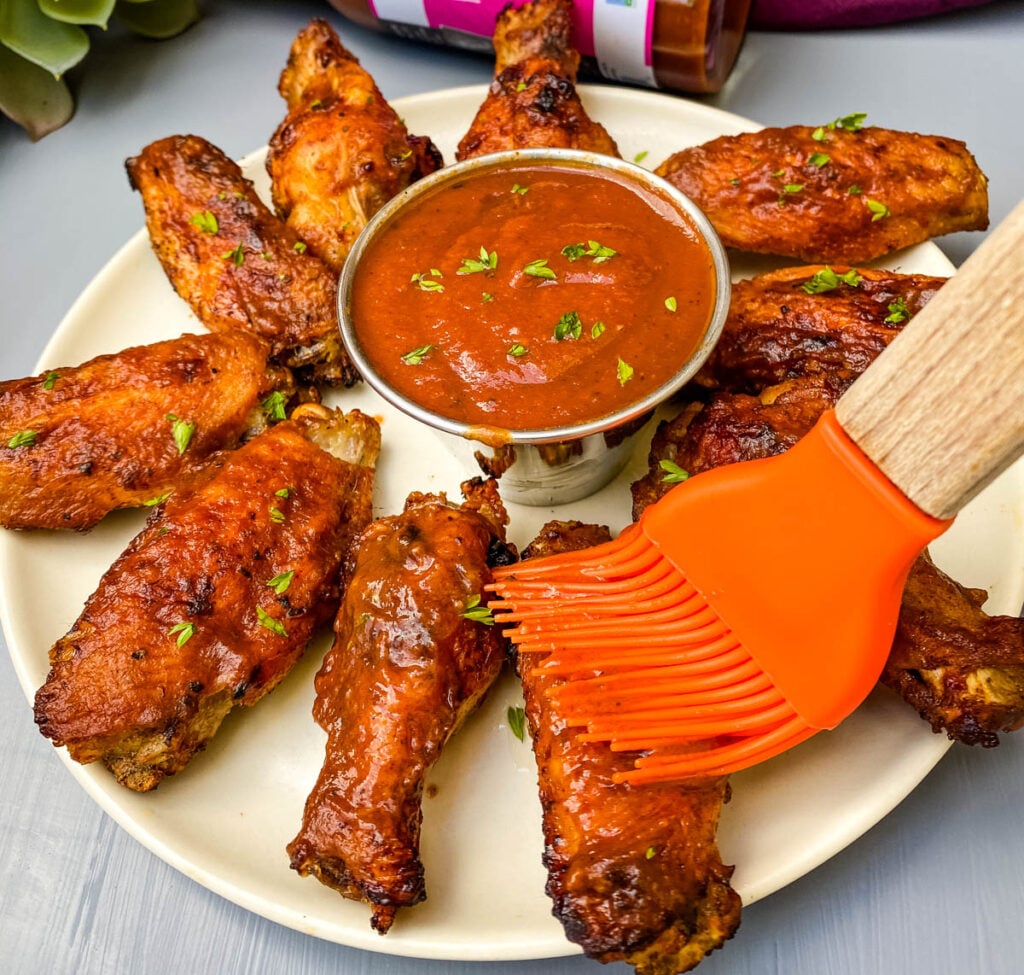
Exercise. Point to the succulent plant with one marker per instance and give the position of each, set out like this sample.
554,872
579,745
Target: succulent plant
41,39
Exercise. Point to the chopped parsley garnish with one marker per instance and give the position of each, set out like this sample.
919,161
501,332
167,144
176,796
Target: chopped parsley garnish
51,380
23,438
268,621
516,717
425,283
674,474
415,356
486,296
670,303
282,581
650,853
819,159
159,499
640,156
185,632
898,312
879,210
521,190
487,262
854,190
517,350
182,432
477,613
277,516
828,280
853,122
624,371
299,247
205,221
539,269
792,187
600,253
236,255
283,493
273,406
569,326
597,330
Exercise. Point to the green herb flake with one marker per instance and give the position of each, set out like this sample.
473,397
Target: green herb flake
517,350
855,190
650,853
516,717
282,581
487,262
268,621
597,330
159,499
828,280
415,356
316,103
879,210
735,181
521,86
640,156
671,304
793,188
182,432
539,269
425,283
853,122
569,326
624,371
23,438
898,312
486,296
283,493
819,134
185,632
819,159
521,190
273,406
299,247
51,380
573,252
477,613
277,516
674,474
205,221
236,255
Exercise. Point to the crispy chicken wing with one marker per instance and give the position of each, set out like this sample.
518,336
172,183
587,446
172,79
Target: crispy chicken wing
634,873
835,193
214,601
235,263
807,321
342,151
532,101
77,442
408,664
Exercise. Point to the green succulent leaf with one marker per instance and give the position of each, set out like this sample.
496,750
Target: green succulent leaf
31,97
27,31
159,19
93,12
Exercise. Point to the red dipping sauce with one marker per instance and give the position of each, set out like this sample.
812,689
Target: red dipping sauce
532,296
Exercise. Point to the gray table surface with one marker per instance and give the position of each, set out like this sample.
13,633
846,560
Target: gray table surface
937,886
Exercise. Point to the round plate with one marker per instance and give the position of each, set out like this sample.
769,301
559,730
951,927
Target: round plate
226,819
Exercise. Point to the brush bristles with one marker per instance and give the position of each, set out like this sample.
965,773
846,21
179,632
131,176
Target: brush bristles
641,661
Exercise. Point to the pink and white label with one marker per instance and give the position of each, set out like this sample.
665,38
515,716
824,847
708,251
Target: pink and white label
615,32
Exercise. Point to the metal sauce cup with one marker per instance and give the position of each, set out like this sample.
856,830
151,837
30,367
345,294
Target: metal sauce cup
551,465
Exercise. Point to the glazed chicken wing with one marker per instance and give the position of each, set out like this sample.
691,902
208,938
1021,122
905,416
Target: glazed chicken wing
120,431
836,193
410,661
342,151
214,601
812,321
532,101
236,264
634,873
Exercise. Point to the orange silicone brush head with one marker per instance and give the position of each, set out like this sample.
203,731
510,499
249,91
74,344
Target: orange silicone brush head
751,607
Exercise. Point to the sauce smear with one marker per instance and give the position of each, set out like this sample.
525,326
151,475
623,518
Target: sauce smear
533,296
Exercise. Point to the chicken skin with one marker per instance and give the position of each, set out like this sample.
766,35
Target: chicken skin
213,601
532,101
812,321
634,873
413,655
841,192
236,264
121,431
342,151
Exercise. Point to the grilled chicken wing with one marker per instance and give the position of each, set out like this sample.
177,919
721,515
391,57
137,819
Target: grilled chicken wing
407,666
121,430
808,321
342,151
634,873
237,265
835,193
532,101
214,601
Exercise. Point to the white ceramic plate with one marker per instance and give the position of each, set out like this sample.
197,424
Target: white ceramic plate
225,821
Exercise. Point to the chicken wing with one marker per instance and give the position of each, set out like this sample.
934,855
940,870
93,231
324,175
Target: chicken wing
532,101
342,151
123,430
214,601
634,873
236,264
833,193
413,654
807,321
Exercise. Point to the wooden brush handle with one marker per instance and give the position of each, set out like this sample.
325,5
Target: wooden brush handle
941,411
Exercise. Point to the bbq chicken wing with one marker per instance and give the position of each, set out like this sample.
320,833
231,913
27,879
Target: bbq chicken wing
122,430
414,653
342,151
213,602
634,873
532,101
835,193
812,321
236,264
